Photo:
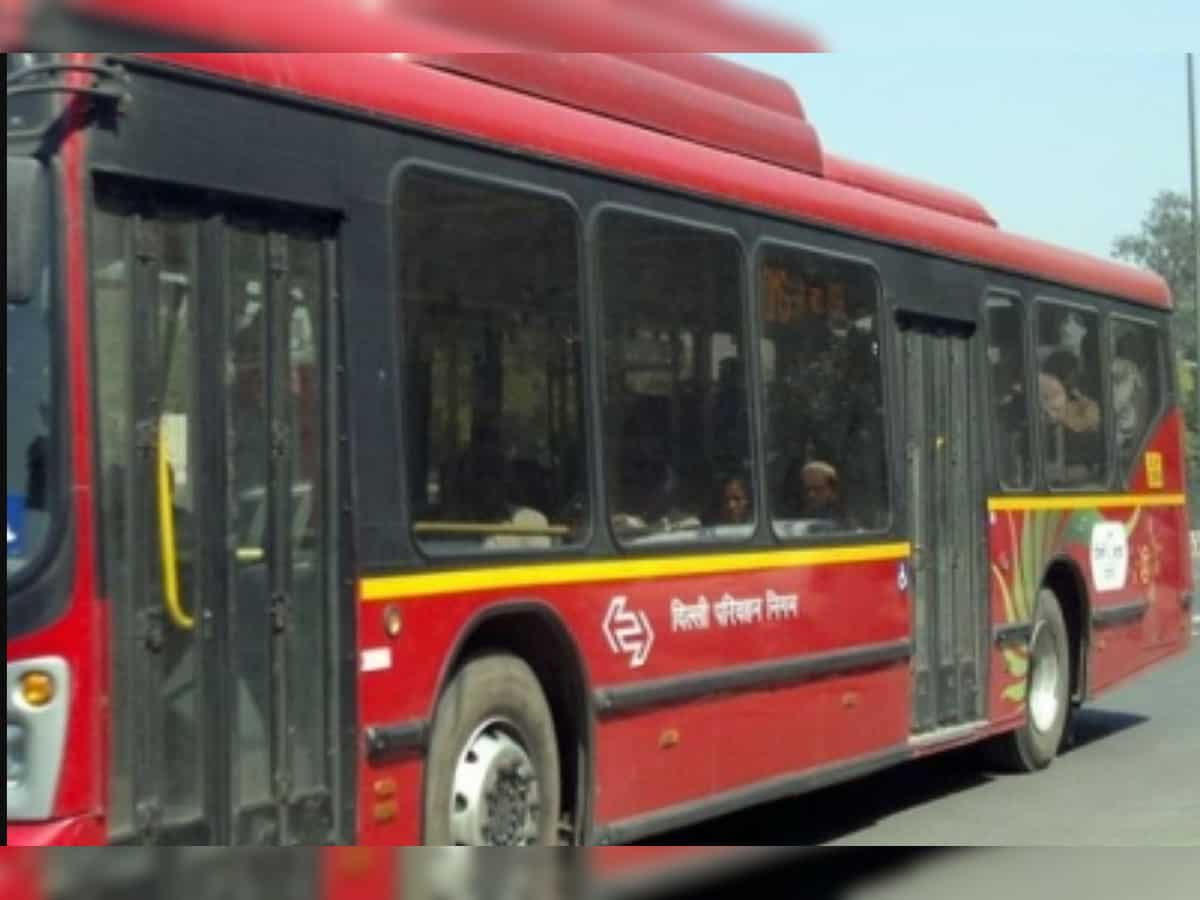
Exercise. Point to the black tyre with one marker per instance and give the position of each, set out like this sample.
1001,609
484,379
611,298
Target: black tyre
492,773
1034,745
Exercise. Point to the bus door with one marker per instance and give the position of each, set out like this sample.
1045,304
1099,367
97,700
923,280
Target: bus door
946,510
213,403
277,401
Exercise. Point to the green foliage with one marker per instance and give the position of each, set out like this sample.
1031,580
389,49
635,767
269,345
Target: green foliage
1164,244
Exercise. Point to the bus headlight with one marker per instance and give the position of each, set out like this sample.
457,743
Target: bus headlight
39,695
38,688
16,753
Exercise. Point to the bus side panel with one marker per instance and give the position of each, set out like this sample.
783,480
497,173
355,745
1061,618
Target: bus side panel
1136,617
817,635
1161,466
1167,558
1134,559
670,756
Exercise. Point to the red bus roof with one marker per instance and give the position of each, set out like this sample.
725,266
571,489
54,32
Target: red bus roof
615,25
672,97
857,197
456,26
910,190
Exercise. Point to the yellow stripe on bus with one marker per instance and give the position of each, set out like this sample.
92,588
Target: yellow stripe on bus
396,587
1082,501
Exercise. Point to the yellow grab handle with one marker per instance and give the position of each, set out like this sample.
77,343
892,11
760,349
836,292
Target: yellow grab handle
166,540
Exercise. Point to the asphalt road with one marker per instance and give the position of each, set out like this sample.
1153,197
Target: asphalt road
1059,873
1131,779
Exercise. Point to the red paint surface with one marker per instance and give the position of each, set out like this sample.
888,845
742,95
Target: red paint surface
1159,572
20,875
733,741
359,873
76,830
889,184
724,743
625,90
461,26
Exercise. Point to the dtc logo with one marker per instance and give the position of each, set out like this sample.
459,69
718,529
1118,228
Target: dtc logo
628,632
1110,556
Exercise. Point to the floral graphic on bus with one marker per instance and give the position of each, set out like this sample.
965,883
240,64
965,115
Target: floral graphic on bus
1025,541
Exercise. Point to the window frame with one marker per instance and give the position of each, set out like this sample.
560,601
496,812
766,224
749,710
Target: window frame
1124,474
398,258
888,366
1028,382
749,335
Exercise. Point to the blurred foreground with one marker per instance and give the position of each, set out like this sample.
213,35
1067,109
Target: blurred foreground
194,873
466,874
459,26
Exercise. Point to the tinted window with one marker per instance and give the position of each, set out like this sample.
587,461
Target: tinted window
826,445
33,480
144,375
1069,394
1010,405
1136,384
491,310
676,418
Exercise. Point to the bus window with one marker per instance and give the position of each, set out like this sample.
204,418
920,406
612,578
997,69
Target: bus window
490,287
826,446
1010,406
1069,379
677,420
1136,384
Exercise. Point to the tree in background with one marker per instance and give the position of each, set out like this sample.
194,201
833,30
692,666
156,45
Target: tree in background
1164,245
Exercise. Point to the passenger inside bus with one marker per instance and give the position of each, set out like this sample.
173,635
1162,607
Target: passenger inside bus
499,500
653,497
822,495
1074,444
1131,391
732,502
811,495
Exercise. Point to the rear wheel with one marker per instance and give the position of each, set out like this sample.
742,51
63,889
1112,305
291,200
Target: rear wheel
1034,745
492,773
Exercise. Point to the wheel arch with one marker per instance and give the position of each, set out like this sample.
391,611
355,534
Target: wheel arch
1064,578
534,631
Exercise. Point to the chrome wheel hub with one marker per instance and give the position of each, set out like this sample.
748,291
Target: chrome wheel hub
1044,676
495,794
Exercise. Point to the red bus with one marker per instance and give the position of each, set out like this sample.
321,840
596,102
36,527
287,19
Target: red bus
529,449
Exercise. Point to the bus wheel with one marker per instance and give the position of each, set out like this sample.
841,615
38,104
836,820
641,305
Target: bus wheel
492,771
1034,745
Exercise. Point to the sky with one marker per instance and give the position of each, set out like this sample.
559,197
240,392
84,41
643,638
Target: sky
1063,118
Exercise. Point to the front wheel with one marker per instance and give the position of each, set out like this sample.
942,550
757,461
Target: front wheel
1034,745
492,773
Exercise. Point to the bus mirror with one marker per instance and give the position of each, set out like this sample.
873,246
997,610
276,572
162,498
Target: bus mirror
27,213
